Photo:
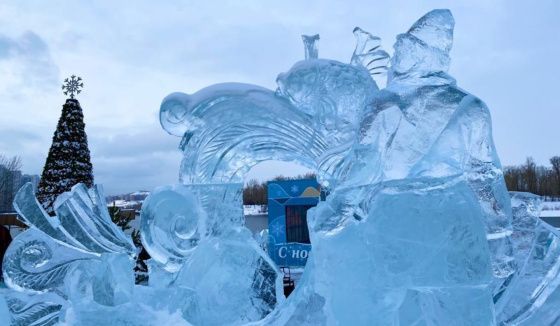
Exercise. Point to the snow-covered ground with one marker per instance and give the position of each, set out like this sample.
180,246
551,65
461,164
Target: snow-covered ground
551,209
140,193
121,203
255,209
550,213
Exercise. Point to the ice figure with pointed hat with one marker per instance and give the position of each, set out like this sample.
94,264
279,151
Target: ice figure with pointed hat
406,216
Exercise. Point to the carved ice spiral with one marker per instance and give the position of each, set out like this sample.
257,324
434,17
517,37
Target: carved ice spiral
170,223
36,254
30,262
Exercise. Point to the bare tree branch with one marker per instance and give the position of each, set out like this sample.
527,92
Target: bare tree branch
8,165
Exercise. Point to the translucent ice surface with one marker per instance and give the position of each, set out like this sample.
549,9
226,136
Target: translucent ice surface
77,255
423,125
429,272
232,275
170,224
532,294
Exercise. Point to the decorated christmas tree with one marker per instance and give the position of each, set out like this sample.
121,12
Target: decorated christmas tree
68,162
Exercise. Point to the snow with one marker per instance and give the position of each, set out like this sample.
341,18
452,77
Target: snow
121,203
255,209
550,213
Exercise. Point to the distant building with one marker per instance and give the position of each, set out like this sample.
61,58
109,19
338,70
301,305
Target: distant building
125,204
138,195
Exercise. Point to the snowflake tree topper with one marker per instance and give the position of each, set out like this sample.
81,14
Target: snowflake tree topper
72,86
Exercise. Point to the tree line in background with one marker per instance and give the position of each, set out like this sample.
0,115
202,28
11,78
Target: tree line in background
9,166
530,177
255,192
10,181
527,177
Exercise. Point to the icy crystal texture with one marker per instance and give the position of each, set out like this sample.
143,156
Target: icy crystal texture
532,295
229,276
423,154
77,255
417,227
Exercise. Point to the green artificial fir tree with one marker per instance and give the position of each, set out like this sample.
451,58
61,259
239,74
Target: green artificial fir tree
68,162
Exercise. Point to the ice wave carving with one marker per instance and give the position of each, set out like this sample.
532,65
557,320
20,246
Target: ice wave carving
29,263
64,258
36,310
228,128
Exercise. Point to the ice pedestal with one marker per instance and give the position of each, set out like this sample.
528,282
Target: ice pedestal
112,283
427,259
4,312
232,275
149,306
199,242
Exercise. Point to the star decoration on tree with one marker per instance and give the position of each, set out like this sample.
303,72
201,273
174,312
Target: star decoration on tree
72,86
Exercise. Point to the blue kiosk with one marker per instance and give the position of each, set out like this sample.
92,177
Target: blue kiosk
288,202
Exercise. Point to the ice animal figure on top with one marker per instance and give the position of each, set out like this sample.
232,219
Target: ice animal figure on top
194,231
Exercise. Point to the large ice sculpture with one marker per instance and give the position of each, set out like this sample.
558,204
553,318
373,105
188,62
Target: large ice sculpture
423,125
424,153
312,118
418,227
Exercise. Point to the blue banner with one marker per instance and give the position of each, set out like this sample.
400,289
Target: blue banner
288,202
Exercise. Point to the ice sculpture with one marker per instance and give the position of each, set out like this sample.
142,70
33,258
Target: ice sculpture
312,118
532,294
424,153
418,227
78,255
423,125
195,235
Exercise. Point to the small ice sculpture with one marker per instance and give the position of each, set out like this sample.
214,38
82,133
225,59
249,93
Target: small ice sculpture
532,294
170,223
77,255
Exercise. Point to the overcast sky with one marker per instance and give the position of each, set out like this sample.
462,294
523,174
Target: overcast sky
132,55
